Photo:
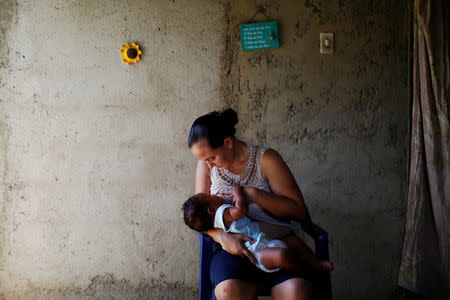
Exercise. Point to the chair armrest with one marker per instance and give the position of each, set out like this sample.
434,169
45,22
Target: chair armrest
319,235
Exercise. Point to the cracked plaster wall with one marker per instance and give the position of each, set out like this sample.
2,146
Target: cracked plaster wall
340,121
93,157
94,162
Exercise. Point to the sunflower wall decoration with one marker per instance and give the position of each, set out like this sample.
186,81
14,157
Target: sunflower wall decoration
130,53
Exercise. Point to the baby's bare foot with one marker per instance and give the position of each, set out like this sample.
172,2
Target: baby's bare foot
326,266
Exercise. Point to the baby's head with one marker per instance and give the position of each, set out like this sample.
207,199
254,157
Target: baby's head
199,211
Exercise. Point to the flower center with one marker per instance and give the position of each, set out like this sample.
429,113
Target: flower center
132,53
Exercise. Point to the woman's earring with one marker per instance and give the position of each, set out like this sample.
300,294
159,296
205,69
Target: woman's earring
229,143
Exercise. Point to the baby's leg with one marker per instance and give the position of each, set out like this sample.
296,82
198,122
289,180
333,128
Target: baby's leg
274,258
305,255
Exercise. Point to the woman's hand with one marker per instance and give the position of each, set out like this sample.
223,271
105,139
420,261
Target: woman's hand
233,243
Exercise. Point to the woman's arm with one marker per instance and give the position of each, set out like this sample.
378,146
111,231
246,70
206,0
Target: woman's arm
232,243
286,200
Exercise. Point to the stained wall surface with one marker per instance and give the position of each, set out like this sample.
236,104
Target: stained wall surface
340,121
94,162
93,158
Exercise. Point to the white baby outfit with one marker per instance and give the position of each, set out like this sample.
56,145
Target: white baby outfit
246,227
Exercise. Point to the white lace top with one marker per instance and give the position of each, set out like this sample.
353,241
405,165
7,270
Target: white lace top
222,179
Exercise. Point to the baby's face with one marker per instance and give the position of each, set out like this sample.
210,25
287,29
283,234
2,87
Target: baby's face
215,201
212,202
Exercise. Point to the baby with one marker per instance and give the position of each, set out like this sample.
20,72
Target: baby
203,212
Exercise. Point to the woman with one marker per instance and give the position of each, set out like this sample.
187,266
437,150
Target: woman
224,162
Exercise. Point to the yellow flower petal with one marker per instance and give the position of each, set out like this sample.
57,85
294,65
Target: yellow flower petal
124,52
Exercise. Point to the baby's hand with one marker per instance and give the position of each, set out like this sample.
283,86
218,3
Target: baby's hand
235,192
240,205
240,198
226,196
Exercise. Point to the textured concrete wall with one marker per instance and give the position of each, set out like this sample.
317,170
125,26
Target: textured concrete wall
94,162
93,157
340,121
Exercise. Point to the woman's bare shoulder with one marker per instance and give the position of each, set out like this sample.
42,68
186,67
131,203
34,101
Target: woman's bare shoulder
202,178
203,167
272,156
280,178
272,162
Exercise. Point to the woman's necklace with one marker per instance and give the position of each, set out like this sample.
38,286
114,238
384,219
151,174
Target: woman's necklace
247,175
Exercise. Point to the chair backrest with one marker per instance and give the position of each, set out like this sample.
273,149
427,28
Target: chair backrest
321,284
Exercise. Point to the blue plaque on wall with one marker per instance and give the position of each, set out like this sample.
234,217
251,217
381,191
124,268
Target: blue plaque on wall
256,36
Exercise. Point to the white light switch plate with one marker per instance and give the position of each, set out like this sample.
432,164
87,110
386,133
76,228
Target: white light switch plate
326,42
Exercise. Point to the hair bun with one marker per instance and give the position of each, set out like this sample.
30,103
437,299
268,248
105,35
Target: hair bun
230,117
215,127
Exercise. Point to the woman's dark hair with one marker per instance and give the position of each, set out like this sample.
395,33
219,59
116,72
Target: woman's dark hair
215,127
196,214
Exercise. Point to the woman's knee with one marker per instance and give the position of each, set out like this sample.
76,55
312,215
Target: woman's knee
235,289
295,288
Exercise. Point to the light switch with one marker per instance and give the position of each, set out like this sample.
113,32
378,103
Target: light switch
326,42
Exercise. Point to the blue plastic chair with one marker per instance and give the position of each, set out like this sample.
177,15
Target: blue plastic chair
321,284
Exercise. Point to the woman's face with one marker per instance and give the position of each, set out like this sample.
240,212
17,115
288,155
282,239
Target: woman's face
219,157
